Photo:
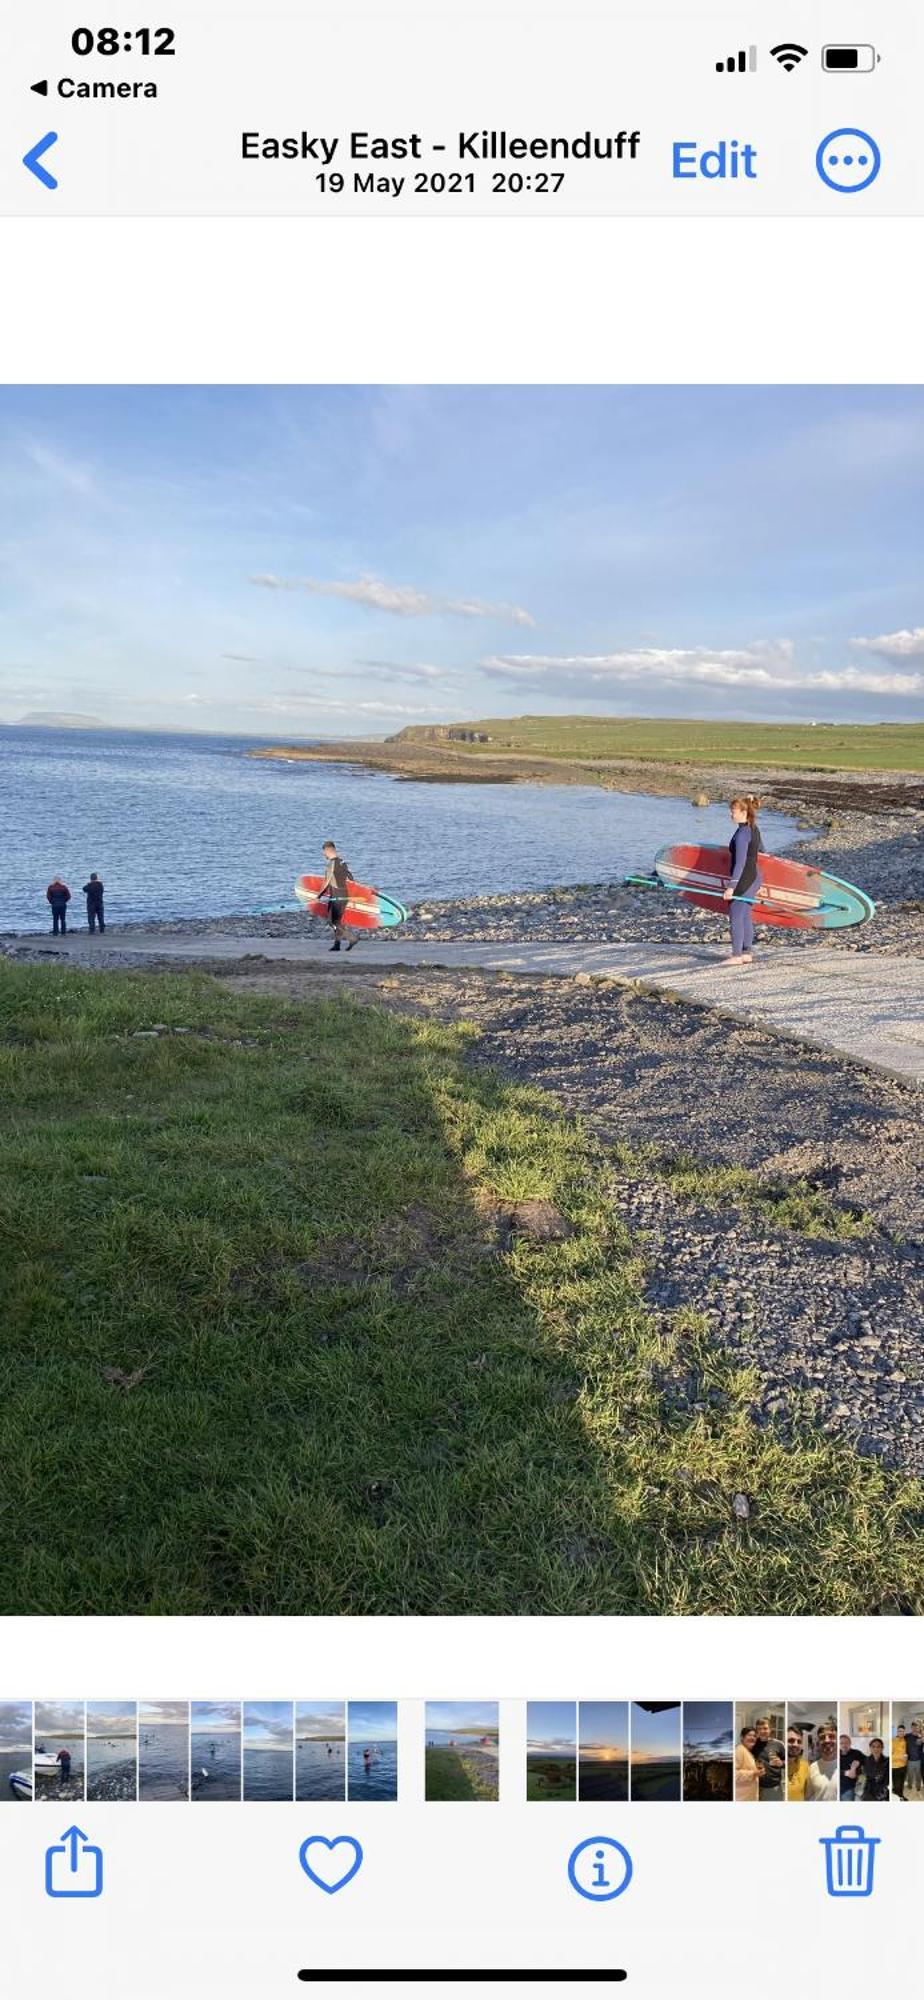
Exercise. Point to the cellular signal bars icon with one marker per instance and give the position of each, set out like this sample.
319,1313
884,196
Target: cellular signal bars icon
736,65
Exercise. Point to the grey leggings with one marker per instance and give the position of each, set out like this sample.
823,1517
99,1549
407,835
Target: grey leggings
741,917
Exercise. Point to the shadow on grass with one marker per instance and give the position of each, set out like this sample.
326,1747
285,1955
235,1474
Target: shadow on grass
272,1346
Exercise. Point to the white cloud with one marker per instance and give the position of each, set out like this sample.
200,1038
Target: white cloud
908,645
62,470
769,666
403,600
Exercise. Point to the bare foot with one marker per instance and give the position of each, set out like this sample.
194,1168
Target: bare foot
734,958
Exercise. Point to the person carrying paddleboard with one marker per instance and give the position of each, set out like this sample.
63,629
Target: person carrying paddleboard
743,849
336,887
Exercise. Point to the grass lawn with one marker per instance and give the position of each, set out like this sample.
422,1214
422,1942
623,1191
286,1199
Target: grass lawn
824,746
551,1778
269,1346
450,1774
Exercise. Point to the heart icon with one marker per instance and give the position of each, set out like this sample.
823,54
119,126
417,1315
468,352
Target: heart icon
327,1869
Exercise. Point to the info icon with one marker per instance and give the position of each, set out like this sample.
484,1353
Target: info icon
600,1869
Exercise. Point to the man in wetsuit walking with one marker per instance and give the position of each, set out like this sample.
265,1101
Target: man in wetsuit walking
336,887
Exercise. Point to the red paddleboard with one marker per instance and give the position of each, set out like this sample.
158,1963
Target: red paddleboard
787,893
367,909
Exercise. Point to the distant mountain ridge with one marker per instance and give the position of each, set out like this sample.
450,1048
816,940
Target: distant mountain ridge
38,719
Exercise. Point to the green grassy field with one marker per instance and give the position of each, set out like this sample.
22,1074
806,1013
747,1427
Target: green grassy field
451,1774
801,746
268,1345
551,1778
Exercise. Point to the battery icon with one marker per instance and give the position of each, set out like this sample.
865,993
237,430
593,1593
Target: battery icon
849,58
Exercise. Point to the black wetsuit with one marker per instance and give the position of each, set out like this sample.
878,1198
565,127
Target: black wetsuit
340,891
748,875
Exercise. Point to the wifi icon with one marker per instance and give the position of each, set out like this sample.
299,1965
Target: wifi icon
788,54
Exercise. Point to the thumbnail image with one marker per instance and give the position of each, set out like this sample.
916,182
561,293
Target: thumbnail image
59,1760
864,1747
603,1750
813,1769
112,1751
215,1750
908,1750
655,1739
372,1751
708,1750
551,1750
760,1752
163,1750
320,1750
268,1750
812,1756
15,1751
462,1743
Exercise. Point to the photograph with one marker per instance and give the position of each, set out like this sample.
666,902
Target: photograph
760,1752
15,1752
363,748
320,1750
708,1750
908,1751
215,1750
268,1750
372,1751
812,1755
462,1749
864,1752
112,1751
603,1750
655,1737
163,1750
551,1750
59,1758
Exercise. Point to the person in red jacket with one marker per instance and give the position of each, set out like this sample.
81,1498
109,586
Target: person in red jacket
58,895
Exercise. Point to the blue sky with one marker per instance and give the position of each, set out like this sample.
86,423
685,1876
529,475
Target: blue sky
320,1718
372,1721
307,561
708,1725
107,1718
551,1726
267,1725
463,1715
655,1735
604,1725
218,1718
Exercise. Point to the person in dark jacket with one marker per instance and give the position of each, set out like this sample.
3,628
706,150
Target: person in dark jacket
876,1772
852,1764
93,890
58,895
743,849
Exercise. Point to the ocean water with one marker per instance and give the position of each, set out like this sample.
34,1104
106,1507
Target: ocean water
105,1751
378,1780
267,1774
216,1765
53,1741
186,826
317,1775
163,1760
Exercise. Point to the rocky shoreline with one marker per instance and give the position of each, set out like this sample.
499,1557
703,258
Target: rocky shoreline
883,853
118,1784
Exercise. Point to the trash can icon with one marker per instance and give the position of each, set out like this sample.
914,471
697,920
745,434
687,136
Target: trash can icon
850,1855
